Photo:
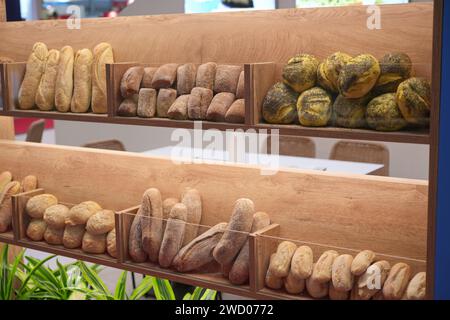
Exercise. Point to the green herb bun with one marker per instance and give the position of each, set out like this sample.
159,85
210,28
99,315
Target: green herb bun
314,107
414,100
300,73
350,113
395,68
279,105
329,70
383,114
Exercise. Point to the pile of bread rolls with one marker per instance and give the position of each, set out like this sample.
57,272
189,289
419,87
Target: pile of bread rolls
210,92
64,81
85,225
167,232
342,277
8,188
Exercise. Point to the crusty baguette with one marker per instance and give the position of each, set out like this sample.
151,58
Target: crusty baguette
64,80
193,202
82,86
152,231
135,248
33,74
45,95
173,235
103,54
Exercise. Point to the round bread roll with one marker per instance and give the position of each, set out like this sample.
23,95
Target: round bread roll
279,106
383,114
54,235
37,205
36,229
73,236
300,73
359,76
395,68
101,222
314,107
329,70
94,243
56,216
81,213
350,113
414,100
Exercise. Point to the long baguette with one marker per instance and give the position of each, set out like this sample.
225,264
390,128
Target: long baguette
64,80
45,95
82,74
103,54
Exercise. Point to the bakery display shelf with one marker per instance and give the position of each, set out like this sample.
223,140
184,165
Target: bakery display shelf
7,237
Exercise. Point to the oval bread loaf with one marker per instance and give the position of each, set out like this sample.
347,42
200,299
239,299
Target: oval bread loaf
101,222
186,75
193,202
103,54
317,289
56,215
323,267
236,112
36,229
64,80
82,81
152,223
37,205
417,287
372,280
179,109
362,261
80,213
45,95
94,243
165,99
173,235
165,76
302,263
29,183
271,280
148,77
206,73
281,263
146,103
293,285
73,236
131,81
341,274
397,281
336,294
135,248
111,245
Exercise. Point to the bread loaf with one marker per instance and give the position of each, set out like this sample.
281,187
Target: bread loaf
240,91
173,235
81,213
302,263
316,289
323,267
135,249
271,280
293,285
82,81
148,77
397,281
128,107
33,74
281,263
227,77
165,76
198,103
341,274
179,109
5,178
166,97
193,202
9,190
186,75
73,236
131,81
167,207
372,280
219,106
37,205
45,95
64,80
206,73
56,215
362,261
54,235
152,231
147,103
36,229
111,244
416,289
236,112
198,252
101,222
28,183
239,273
94,243
237,233
103,54
336,294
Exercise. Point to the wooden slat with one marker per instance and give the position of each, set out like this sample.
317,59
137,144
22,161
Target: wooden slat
2,11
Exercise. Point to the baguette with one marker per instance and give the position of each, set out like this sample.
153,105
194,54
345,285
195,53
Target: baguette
179,109
82,86
227,77
166,97
281,263
56,215
198,103
173,235
186,75
148,77
34,70
147,103
193,202
341,274
45,95
236,112
103,54
64,80
302,263
131,81
111,244
165,76
239,273
152,232
323,267
36,229
198,252
135,249
206,73
271,281
237,233
73,236
54,235
219,106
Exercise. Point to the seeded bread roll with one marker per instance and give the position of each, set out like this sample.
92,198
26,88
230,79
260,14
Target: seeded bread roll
236,112
206,73
45,95
383,114
198,103
146,103
302,263
173,235
94,243
186,75
36,229
193,202
329,70
101,222
322,269
128,107
219,106
314,107
111,245
414,100
131,81
152,232
73,236
82,85
166,97
300,73
179,109
240,91
103,54
54,235
165,76
227,77
64,80
395,68
56,215
148,77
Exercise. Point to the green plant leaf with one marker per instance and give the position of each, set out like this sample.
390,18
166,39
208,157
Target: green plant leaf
187,296
142,289
209,295
121,285
30,274
163,290
95,282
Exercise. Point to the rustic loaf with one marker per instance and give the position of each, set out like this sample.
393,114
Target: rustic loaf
73,236
167,207
37,205
186,75
28,183
36,229
45,95
80,213
131,81
193,202
219,106
341,275
323,267
397,281
103,54
173,235
64,80
94,243
237,232
54,235
166,97
281,263
206,73
271,281
236,112
179,109
227,77
82,81
34,70
111,245
165,76
56,215
148,77
240,91
146,103
198,252
239,273
198,103
152,223
302,263
101,222
128,107
362,261
135,249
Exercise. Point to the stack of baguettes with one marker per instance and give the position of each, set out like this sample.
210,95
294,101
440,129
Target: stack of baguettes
65,81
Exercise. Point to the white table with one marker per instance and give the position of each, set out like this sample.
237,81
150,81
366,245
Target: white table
182,154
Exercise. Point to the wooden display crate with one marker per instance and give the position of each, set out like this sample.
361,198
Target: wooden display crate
114,74
2,87
22,220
